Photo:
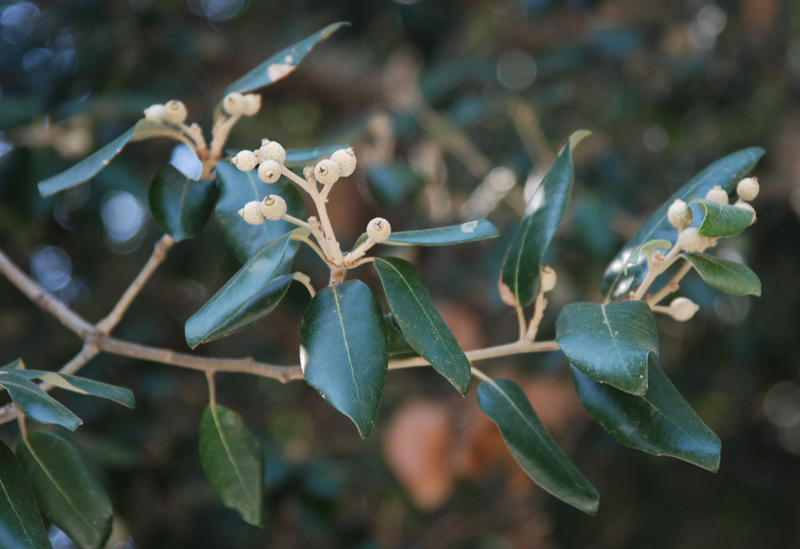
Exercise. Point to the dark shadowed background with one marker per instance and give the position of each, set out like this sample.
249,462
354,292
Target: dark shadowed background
666,87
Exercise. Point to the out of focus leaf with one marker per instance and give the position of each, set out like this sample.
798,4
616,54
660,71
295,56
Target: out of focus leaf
67,491
660,422
533,447
470,231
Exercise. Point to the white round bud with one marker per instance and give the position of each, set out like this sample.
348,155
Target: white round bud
717,195
682,309
379,230
234,103
245,160
748,188
271,150
176,112
345,160
679,214
252,104
326,172
749,207
156,113
252,213
691,241
273,207
269,171
548,278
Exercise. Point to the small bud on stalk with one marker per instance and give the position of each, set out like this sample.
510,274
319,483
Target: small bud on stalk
156,113
269,171
717,195
379,230
245,161
234,103
252,213
176,112
691,241
326,172
273,207
679,214
271,150
548,278
345,160
682,309
748,188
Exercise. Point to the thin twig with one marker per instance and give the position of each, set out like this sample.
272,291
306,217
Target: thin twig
538,314
670,286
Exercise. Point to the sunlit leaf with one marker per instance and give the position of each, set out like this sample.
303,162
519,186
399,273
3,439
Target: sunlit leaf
523,262
232,459
620,277
728,276
180,205
533,447
660,422
67,491
20,522
343,351
420,322
90,166
610,343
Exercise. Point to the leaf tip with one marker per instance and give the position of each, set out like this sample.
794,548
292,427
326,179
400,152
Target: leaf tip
577,137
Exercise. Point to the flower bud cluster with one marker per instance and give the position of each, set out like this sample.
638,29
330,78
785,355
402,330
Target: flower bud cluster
173,113
245,105
342,163
272,208
747,189
269,158
679,214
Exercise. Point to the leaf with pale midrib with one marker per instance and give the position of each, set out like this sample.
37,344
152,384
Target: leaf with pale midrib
21,525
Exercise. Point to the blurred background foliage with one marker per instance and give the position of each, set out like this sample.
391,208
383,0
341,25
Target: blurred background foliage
454,107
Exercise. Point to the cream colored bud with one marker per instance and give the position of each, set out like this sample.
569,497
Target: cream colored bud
273,207
682,309
176,112
691,241
271,150
326,172
345,160
269,171
379,230
749,207
748,188
252,213
548,279
308,173
679,214
717,195
252,104
234,103
245,161
156,113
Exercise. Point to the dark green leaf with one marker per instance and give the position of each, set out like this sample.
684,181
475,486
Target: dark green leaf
20,522
37,404
250,295
67,491
82,386
533,447
343,351
237,189
660,422
727,172
523,262
444,236
280,65
300,158
611,342
89,167
725,275
231,457
180,205
722,219
395,340
420,322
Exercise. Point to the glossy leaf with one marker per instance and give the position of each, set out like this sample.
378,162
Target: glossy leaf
610,343
444,236
236,189
395,340
523,262
300,158
37,404
68,493
232,459
343,351
725,275
82,385
250,295
722,220
282,64
180,205
20,522
89,167
727,172
420,322
533,447
660,423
